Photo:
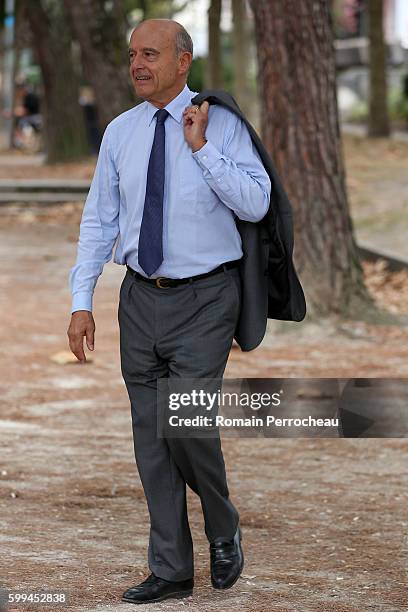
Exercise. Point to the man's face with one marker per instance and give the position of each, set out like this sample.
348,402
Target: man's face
157,74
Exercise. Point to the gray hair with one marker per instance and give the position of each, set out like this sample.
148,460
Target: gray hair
183,41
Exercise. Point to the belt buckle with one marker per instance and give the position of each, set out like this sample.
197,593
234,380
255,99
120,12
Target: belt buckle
159,281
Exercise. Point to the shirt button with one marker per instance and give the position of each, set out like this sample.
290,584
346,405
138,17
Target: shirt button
204,157
219,180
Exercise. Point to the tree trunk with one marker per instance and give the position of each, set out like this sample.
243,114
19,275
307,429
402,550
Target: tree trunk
101,34
241,44
214,63
64,126
378,122
300,128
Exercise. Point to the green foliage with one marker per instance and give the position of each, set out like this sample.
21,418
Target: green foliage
398,105
227,60
336,10
359,112
195,79
155,8
33,75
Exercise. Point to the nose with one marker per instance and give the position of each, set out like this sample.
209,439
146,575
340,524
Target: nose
136,63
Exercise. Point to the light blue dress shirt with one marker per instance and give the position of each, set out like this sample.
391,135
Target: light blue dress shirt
203,192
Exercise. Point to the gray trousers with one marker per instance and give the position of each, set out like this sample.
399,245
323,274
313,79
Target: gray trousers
175,333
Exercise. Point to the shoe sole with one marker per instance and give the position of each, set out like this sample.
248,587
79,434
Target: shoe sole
162,598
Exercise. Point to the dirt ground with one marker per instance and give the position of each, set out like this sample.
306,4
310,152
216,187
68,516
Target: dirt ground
324,521
377,183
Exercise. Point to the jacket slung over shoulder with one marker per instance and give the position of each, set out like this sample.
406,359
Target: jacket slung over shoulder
270,285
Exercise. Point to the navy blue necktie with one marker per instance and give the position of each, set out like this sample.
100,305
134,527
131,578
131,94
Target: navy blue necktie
150,250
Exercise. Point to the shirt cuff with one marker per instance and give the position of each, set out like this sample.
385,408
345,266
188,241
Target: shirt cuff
207,156
82,301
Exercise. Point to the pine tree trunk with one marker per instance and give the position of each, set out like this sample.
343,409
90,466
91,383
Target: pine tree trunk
102,37
378,123
241,44
214,63
64,126
300,128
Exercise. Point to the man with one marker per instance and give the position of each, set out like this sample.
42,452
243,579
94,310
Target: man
27,114
170,181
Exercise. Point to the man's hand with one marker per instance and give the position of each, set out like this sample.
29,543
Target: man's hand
195,121
82,324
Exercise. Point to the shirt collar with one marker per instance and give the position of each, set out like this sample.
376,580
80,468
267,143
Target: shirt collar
175,107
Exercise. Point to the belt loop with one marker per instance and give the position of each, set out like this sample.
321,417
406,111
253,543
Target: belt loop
224,266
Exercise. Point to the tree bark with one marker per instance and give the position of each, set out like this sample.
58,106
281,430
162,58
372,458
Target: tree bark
64,127
102,37
241,45
300,129
214,64
378,122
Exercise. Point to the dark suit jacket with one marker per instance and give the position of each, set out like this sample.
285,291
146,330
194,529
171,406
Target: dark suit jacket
270,286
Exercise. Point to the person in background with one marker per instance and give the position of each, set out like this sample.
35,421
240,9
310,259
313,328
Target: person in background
27,112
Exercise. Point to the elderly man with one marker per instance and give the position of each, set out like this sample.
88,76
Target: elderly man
170,180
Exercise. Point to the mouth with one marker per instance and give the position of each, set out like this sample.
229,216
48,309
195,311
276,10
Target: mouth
142,78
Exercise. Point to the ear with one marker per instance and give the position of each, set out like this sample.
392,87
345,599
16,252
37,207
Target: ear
185,61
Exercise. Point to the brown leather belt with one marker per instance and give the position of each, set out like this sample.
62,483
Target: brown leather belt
164,283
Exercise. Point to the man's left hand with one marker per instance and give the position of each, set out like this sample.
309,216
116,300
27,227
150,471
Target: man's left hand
195,121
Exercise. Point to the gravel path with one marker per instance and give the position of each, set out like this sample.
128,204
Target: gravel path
324,521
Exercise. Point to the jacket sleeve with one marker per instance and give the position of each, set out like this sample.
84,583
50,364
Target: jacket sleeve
237,174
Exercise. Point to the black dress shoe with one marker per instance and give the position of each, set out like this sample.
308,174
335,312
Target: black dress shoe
156,589
227,561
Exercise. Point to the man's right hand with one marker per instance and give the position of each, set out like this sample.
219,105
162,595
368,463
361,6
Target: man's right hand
82,324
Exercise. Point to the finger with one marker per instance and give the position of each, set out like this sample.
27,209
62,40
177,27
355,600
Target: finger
204,107
193,117
90,338
191,110
191,107
188,120
77,348
190,114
